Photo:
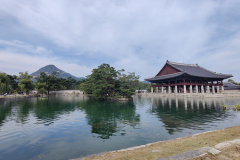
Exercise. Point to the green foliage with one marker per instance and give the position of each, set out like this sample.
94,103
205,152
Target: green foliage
52,82
105,82
5,84
25,83
225,107
47,82
128,84
237,107
101,82
233,82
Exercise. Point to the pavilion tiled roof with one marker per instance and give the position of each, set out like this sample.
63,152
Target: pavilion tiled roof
230,86
190,69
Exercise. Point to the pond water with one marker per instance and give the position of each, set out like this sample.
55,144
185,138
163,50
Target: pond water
71,127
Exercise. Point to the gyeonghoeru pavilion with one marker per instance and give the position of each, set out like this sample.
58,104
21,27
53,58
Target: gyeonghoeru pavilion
187,78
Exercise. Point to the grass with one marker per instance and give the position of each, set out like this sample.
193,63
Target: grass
173,147
231,152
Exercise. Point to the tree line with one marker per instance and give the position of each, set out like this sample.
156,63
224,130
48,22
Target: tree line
43,83
105,81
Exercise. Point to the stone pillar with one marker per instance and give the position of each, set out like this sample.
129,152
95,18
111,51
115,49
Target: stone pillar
208,90
162,89
156,89
196,88
184,89
217,89
175,89
151,89
222,89
213,89
169,89
202,89
191,89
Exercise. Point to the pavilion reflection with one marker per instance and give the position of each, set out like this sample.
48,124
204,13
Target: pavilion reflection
178,113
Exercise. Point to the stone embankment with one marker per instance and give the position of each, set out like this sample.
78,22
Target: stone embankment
207,95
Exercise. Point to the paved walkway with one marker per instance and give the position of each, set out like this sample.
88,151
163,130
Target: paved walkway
217,149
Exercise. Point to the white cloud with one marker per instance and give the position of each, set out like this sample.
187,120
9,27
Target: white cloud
16,45
137,35
13,63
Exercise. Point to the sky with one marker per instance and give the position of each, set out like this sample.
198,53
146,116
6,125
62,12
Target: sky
136,35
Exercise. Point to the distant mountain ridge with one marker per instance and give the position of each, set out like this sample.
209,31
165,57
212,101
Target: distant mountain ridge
49,69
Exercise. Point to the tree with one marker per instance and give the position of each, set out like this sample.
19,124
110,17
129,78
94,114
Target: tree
25,82
101,82
14,82
232,81
5,84
128,84
47,82
105,82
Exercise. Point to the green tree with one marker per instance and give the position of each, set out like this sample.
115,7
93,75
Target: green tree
5,84
47,82
105,82
14,82
25,82
128,84
233,82
101,82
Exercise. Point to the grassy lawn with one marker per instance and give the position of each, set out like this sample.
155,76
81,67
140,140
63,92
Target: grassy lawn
176,146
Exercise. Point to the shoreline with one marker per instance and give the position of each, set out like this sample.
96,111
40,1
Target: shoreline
193,95
173,147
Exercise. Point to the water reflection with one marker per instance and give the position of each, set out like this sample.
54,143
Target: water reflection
69,127
179,113
105,118
108,118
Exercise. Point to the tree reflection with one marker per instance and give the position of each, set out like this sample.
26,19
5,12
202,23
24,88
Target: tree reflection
105,118
109,118
5,110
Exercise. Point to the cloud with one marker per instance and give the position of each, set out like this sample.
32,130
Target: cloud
18,46
14,63
136,35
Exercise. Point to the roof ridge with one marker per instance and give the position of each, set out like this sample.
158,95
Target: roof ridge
169,74
169,62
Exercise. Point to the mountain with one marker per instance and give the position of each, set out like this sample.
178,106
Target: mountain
49,69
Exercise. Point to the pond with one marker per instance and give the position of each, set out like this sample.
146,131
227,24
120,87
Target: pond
71,127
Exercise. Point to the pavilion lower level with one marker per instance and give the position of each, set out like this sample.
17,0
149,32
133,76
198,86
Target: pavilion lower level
188,86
